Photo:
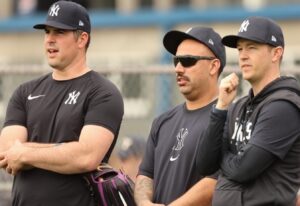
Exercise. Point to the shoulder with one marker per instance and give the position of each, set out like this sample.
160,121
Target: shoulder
101,85
28,86
99,80
170,113
281,108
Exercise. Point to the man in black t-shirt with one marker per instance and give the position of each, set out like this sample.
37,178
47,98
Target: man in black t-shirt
255,141
63,124
168,173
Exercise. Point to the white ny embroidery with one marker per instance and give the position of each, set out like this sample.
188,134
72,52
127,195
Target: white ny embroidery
54,10
72,99
244,26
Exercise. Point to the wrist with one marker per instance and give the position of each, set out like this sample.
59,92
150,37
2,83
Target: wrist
221,106
24,155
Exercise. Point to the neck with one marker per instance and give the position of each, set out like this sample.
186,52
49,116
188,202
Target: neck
257,87
76,69
202,101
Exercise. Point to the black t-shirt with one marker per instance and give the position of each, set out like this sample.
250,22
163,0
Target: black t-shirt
171,151
55,112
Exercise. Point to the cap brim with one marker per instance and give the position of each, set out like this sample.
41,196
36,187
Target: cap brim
54,24
230,40
173,38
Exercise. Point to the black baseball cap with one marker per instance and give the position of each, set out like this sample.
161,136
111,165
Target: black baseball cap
67,15
258,29
204,35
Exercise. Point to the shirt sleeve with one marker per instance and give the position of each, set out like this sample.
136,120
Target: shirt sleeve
105,109
16,109
147,165
209,148
277,128
239,167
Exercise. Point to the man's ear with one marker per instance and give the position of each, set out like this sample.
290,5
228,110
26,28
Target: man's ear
215,66
83,39
277,53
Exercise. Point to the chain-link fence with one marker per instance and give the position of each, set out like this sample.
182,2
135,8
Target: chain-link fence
147,91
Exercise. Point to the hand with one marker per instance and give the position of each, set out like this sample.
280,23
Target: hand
153,204
227,91
148,203
13,157
3,160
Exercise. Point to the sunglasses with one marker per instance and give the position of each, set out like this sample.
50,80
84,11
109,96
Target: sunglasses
189,60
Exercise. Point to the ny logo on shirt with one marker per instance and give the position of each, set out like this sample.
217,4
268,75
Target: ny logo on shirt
182,134
72,99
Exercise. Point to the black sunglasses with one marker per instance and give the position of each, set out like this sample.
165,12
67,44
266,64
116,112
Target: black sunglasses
189,60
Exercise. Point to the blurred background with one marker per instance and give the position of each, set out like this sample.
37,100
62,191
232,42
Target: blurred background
126,47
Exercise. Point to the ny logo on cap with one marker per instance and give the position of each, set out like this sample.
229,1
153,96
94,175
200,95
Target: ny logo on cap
54,10
273,38
244,26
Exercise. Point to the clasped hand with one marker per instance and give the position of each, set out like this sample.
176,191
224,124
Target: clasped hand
10,160
227,91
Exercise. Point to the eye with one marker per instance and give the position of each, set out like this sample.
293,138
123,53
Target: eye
252,46
60,31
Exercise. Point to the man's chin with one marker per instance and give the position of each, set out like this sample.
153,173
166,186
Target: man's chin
54,66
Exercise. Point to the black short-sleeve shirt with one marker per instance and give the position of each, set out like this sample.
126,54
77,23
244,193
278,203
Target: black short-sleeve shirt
171,151
55,112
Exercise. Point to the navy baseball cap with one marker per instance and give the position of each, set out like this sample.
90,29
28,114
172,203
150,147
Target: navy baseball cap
67,15
204,35
259,29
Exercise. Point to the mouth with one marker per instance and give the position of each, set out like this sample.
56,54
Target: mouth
181,80
245,66
51,52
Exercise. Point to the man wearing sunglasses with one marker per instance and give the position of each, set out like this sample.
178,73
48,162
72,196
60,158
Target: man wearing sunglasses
168,173
256,140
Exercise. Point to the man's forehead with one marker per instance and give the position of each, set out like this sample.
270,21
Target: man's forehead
51,28
242,41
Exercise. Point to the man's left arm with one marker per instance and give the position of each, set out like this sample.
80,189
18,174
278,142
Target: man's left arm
199,195
66,158
272,138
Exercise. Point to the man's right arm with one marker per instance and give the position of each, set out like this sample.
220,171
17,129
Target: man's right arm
143,191
209,149
9,135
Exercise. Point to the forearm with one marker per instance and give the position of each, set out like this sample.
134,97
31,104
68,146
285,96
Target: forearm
199,195
40,145
67,158
245,166
10,134
143,191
